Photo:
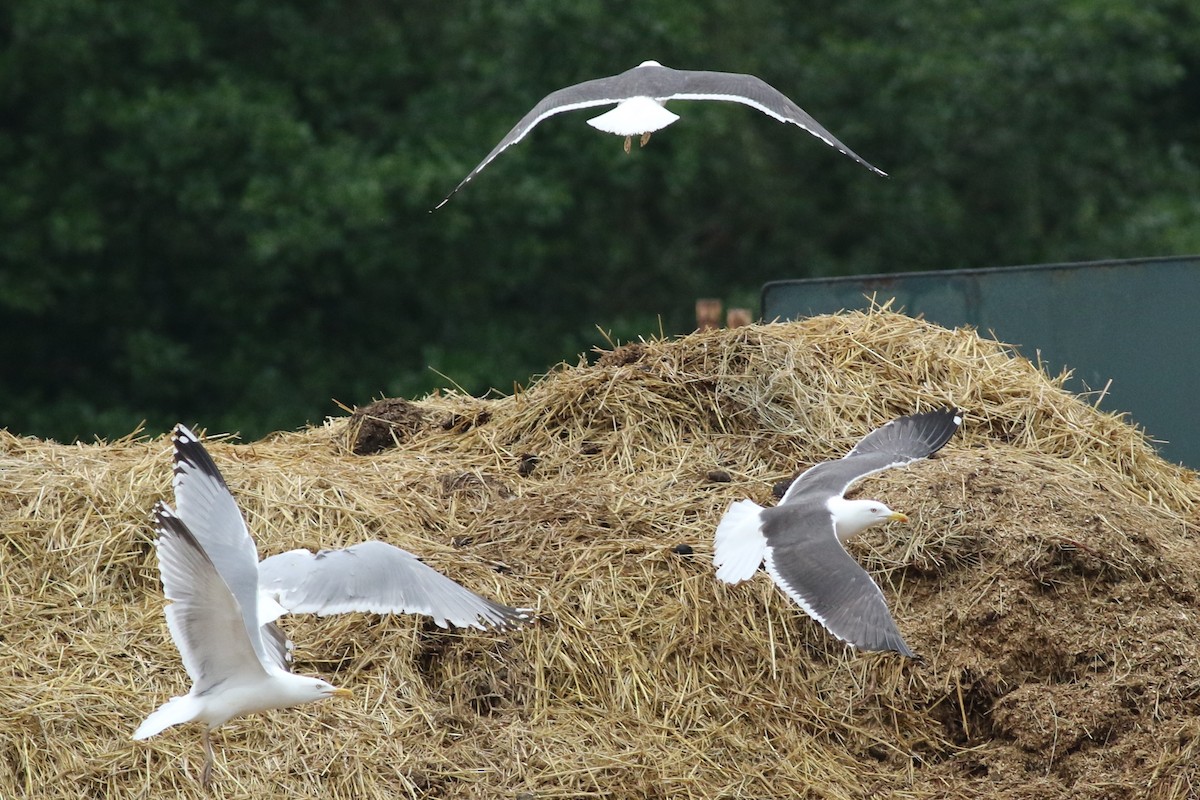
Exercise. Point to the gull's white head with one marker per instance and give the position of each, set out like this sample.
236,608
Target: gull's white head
852,517
649,64
303,689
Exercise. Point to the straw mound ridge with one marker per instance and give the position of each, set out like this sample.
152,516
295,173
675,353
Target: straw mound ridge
1049,579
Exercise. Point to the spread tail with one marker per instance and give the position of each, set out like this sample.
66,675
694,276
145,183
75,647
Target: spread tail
175,711
740,545
633,117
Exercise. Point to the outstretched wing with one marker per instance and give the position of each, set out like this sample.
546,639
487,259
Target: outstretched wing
379,578
805,559
205,505
598,92
204,618
899,442
754,92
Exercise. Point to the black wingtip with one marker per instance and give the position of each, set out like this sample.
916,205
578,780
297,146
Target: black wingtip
168,524
190,452
883,637
863,161
934,428
454,191
913,436
948,420
889,644
160,510
511,619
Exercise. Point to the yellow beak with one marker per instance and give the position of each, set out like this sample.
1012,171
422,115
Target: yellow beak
342,693
896,516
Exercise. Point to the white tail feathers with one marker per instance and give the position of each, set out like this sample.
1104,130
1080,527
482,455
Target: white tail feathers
633,117
175,711
740,545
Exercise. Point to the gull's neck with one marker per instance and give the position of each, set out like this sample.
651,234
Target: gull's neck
850,517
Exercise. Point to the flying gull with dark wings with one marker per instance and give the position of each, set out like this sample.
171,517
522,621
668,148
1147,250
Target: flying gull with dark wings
640,95
801,538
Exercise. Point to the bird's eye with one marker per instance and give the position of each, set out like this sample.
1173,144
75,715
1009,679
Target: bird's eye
874,509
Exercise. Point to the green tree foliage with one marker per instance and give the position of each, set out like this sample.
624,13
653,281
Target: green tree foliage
220,213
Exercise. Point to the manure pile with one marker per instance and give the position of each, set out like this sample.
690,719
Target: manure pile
1049,579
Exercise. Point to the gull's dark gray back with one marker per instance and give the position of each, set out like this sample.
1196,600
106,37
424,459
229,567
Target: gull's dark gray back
649,81
662,82
635,82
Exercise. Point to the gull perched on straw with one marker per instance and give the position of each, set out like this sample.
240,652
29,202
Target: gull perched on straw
224,603
640,94
801,538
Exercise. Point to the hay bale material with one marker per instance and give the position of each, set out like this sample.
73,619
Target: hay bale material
1048,578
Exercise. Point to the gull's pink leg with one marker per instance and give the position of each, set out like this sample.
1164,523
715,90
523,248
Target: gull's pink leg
206,773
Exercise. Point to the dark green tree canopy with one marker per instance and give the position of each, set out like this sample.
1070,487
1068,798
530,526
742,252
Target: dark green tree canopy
220,213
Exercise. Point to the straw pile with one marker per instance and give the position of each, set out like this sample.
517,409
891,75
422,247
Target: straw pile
1048,578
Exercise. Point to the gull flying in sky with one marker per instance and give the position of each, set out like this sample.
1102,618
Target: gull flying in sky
801,538
224,603
640,94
